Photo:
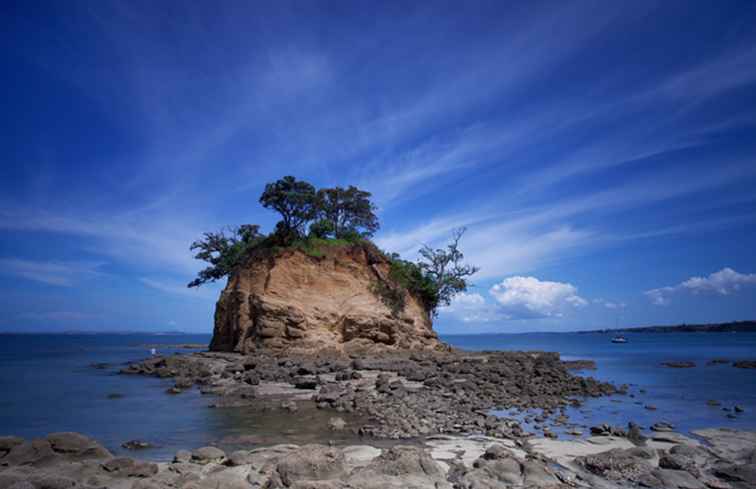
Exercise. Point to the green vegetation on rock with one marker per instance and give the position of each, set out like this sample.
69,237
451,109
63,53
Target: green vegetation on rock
313,221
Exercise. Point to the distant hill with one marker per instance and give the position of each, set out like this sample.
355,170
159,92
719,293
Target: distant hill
737,326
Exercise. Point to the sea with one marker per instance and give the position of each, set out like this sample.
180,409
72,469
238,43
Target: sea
49,383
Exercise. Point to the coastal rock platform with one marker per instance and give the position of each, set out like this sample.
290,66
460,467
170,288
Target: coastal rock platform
396,396
71,460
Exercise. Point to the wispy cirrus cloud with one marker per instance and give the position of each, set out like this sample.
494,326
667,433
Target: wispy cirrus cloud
58,316
57,273
179,289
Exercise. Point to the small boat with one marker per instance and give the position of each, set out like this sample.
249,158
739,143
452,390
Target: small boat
619,339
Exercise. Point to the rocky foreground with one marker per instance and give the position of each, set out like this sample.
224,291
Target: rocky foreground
673,461
396,395
439,400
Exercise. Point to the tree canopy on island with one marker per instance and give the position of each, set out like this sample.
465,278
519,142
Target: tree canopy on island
311,218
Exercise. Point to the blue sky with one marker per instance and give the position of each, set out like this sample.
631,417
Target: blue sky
601,154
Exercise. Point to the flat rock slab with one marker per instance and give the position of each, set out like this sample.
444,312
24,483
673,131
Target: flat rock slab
729,444
565,451
467,449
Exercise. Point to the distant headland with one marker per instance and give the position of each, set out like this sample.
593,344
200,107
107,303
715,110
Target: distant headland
731,327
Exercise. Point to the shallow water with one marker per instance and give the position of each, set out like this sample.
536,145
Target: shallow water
679,395
48,385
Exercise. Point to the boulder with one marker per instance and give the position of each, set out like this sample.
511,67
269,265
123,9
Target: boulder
35,452
76,444
679,364
400,467
182,456
336,424
8,442
54,482
311,463
745,474
206,455
618,464
128,467
677,479
745,364
136,445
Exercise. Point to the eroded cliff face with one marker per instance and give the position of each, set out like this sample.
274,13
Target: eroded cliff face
295,303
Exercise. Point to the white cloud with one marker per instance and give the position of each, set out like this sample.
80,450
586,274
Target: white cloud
723,282
529,297
471,308
609,304
60,273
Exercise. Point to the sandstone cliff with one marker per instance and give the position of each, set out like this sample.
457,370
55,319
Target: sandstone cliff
296,303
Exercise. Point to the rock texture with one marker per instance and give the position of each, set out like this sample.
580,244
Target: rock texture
293,302
443,462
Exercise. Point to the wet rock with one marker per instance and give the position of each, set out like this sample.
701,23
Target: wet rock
717,361
128,467
662,427
182,456
679,364
251,378
737,473
8,442
184,382
675,462
634,434
54,482
243,395
306,382
76,444
136,444
21,485
677,479
739,409
336,424
206,455
713,402
618,464
745,364
579,364
33,452
290,406
537,474
240,457
400,467
311,463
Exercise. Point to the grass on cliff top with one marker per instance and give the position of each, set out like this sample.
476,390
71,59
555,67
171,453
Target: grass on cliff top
316,247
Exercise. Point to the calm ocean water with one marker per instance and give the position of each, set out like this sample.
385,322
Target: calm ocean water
47,384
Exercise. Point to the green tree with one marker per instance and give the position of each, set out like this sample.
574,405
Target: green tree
295,200
224,252
443,268
349,212
435,279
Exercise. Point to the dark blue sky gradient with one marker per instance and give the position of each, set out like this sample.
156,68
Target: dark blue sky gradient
600,153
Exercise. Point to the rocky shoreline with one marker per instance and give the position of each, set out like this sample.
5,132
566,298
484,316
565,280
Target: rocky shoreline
418,419
397,395
722,459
